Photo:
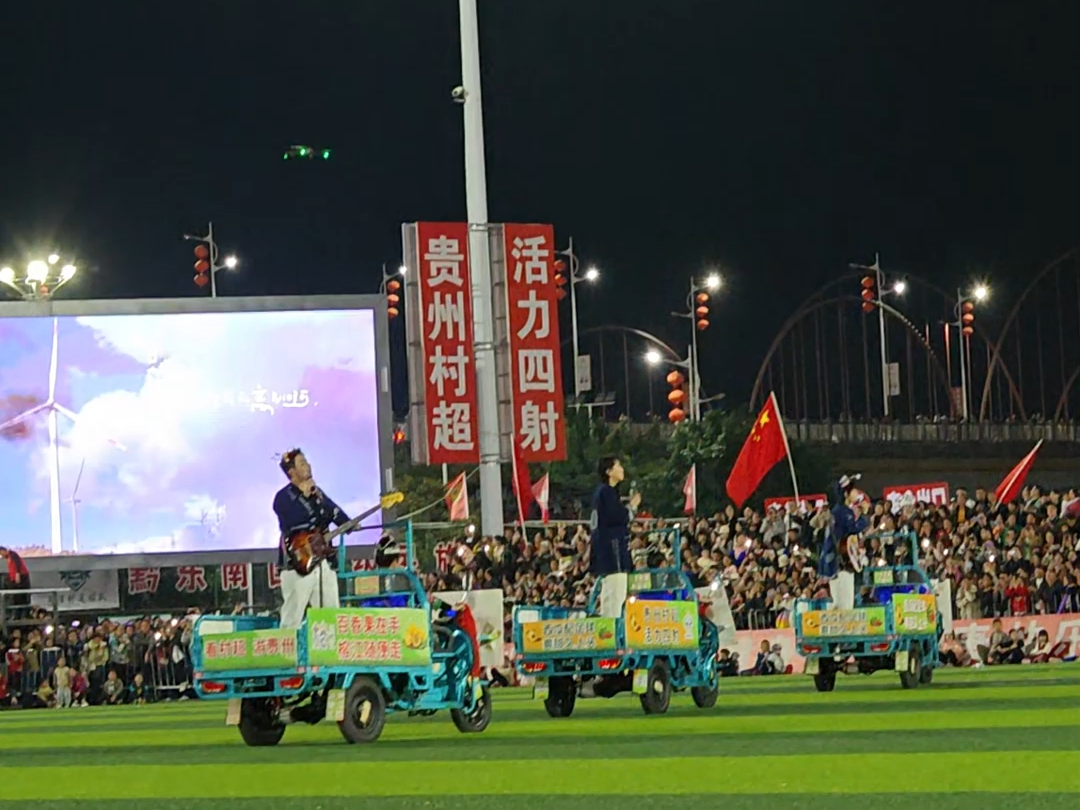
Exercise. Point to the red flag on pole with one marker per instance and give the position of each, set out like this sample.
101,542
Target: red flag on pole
522,487
457,498
765,447
1011,485
689,489
541,490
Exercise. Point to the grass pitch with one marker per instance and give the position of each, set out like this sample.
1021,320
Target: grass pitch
999,738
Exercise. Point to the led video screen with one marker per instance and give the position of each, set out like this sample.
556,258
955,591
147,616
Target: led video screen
150,433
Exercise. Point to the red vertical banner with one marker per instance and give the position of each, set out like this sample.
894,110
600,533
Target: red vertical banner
447,339
533,320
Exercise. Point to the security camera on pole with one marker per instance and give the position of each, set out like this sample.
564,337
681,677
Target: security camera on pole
206,260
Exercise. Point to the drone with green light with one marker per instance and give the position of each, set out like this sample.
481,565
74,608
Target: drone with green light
299,151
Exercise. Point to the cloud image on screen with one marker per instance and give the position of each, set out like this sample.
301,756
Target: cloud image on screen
126,434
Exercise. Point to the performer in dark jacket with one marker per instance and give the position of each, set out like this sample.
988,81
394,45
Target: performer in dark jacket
611,521
844,524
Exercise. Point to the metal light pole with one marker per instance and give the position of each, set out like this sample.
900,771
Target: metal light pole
964,329
710,284
879,279
469,95
211,260
591,274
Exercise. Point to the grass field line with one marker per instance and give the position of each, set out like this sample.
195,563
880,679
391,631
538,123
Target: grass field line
678,725
1011,772
194,710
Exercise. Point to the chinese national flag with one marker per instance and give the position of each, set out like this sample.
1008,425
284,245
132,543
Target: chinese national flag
1011,485
522,486
457,498
765,447
689,489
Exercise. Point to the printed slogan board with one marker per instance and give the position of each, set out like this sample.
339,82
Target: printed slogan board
255,649
661,625
844,623
375,636
914,614
556,635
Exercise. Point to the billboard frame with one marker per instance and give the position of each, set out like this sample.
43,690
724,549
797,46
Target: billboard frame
74,308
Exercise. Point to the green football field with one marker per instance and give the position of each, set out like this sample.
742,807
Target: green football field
1000,738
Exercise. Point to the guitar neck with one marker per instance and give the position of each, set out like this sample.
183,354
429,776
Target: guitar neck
352,524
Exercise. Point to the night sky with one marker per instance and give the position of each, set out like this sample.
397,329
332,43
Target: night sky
779,140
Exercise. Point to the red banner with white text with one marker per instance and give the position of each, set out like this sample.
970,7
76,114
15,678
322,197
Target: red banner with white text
447,340
935,493
533,321
787,502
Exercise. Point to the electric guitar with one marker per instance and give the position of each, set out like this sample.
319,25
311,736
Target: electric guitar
309,547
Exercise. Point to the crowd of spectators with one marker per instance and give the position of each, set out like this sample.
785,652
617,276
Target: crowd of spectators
1002,560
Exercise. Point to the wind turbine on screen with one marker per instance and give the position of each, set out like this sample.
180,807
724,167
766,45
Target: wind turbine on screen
74,501
53,409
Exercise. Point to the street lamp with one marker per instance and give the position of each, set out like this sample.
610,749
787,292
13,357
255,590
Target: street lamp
698,313
965,325
899,287
653,357
40,279
592,275
206,260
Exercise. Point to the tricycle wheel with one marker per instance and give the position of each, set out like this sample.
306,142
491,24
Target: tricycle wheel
259,725
475,721
825,679
562,695
913,676
705,696
657,695
365,711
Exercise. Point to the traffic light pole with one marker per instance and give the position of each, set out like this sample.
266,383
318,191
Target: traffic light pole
491,505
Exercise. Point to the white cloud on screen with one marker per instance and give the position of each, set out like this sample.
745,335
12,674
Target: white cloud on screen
163,426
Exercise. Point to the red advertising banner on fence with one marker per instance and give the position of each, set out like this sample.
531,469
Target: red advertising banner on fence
447,339
533,325
935,493
788,502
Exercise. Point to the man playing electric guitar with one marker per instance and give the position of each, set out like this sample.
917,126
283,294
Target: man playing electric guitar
300,507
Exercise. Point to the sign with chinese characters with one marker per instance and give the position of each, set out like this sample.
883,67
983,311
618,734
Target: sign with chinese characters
254,649
661,625
86,590
844,623
914,613
557,635
373,636
936,494
533,327
445,310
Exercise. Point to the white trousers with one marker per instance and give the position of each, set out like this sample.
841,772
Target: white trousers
842,590
317,589
613,595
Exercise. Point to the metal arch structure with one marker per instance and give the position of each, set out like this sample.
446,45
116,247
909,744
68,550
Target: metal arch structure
1059,411
630,330
996,362
810,306
949,302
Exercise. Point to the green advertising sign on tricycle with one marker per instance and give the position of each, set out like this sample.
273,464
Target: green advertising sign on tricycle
253,649
368,636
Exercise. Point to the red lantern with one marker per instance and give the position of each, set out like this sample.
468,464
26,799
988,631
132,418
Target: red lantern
393,285
675,396
393,299
968,307
202,279
392,312
202,266
560,280
676,415
701,312
559,266
968,331
702,325
702,297
867,283
560,293
675,378
867,295
867,307
968,319
202,252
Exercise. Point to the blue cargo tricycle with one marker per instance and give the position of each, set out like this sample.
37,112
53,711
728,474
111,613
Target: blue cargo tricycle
894,624
382,653
652,638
